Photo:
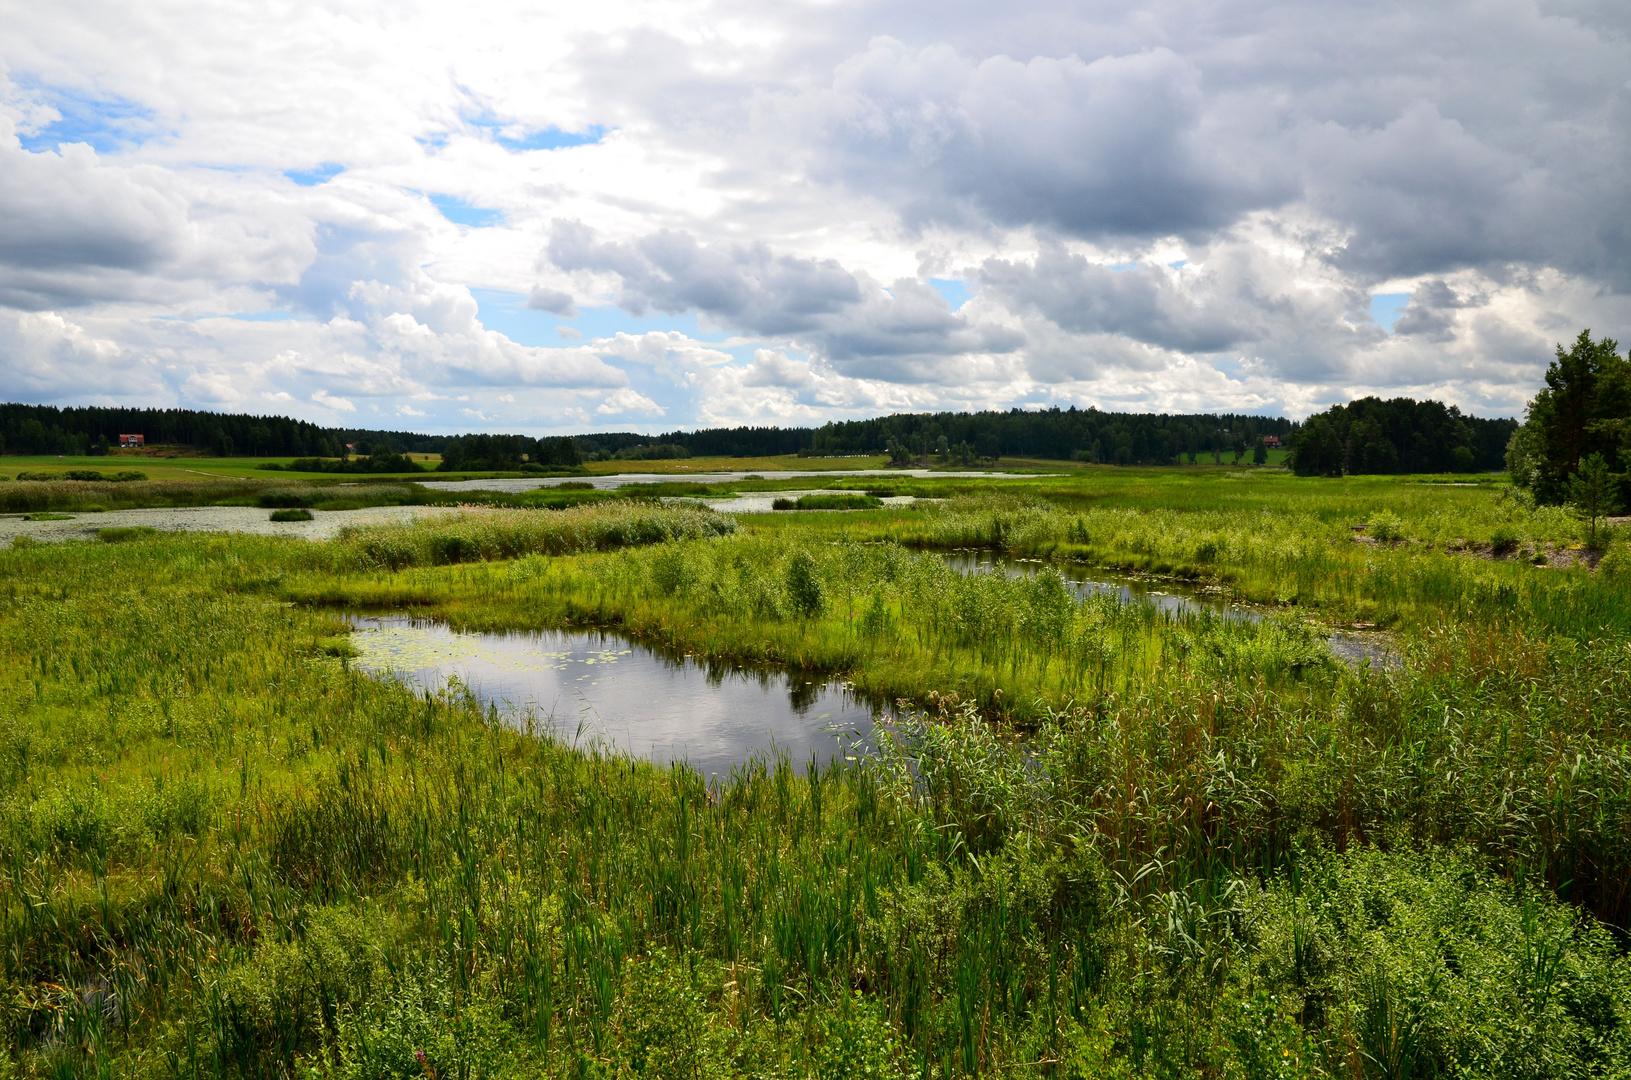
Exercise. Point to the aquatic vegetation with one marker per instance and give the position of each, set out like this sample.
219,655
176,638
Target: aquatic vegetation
1111,841
479,535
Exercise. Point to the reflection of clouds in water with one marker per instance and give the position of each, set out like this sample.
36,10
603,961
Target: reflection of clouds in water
595,686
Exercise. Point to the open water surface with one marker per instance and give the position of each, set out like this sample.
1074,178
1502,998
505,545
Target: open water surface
588,687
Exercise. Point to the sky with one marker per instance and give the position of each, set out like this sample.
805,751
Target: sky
554,218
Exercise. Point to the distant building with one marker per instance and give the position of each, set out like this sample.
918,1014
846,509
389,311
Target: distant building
1271,441
132,440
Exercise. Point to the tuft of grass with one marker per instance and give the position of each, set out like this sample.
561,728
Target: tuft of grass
297,513
829,502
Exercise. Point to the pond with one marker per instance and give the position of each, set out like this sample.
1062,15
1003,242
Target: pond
588,687
1355,648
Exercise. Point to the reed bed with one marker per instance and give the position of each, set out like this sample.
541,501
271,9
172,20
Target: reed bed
486,534
90,496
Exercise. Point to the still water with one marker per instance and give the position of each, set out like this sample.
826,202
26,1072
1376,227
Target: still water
588,688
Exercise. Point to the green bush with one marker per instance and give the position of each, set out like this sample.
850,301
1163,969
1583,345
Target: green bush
290,995
298,513
37,476
805,589
92,476
575,485
1386,527
1504,540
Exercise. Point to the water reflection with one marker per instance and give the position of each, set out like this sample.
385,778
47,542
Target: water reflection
1086,581
590,687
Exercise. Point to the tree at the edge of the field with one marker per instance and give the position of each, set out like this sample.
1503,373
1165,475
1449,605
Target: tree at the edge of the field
1583,411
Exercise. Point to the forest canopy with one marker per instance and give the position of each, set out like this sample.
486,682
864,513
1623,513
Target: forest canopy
1399,436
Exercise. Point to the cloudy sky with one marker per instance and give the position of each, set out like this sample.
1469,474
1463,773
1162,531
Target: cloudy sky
626,215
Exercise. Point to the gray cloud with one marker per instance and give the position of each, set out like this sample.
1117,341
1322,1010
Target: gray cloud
1116,146
904,333
73,230
744,284
553,301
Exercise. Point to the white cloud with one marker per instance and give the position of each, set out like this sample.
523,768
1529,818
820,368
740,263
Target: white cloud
785,178
329,401
628,401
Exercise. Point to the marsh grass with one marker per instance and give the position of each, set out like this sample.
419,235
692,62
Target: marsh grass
225,853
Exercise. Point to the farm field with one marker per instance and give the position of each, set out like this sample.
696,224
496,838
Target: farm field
1094,838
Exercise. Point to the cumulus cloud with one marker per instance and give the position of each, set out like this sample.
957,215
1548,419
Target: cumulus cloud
906,332
1119,145
1185,205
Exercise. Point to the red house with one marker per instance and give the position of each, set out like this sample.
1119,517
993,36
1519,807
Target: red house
132,440
1271,441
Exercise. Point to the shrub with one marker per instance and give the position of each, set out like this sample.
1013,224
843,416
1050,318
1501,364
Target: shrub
92,476
1386,526
1505,540
36,476
575,485
298,513
785,504
805,590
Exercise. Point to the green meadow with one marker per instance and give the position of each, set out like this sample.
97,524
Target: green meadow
1097,838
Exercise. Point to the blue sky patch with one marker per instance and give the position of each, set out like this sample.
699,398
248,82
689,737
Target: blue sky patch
552,138
460,212
108,124
1385,309
514,136
953,290
322,174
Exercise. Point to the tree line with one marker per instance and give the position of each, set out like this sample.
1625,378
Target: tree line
1061,434
1365,436
46,429
1399,436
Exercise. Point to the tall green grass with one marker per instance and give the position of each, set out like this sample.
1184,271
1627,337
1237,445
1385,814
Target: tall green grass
1210,852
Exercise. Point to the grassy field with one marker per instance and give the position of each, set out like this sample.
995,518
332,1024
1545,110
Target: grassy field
1104,841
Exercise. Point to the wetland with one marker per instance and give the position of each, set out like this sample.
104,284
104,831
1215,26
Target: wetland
558,789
